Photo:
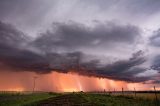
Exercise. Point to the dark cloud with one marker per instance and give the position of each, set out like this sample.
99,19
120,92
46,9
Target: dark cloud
14,53
156,63
155,39
10,36
23,59
65,46
64,61
74,35
125,69
32,15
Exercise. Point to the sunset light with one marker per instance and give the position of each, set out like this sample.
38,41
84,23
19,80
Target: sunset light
80,52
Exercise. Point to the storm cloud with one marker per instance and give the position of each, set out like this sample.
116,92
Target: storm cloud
116,39
73,35
18,57
156,63
13,52
154,40
126,69
11,36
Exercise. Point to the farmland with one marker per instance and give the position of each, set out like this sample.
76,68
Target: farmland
78,99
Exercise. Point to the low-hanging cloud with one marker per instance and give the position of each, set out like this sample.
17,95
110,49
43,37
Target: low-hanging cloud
156,63
154,41
16,55
126,69
13,50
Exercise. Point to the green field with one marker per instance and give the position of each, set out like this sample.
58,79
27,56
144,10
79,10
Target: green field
77,99
22,98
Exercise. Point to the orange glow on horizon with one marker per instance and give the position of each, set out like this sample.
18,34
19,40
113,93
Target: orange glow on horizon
15,89
60,82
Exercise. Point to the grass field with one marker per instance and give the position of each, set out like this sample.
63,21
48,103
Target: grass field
77,99
22,98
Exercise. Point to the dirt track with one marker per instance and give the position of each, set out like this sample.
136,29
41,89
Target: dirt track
66,100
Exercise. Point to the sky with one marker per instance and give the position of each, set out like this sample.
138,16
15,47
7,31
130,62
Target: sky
116,42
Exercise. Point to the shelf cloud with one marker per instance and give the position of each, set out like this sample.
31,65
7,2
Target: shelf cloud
115,39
